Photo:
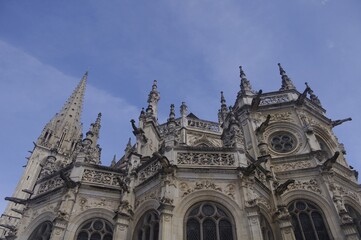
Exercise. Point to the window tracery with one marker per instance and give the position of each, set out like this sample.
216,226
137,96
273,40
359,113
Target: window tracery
209,221
266,229
307,221
95,229
148,227
356,217
42,232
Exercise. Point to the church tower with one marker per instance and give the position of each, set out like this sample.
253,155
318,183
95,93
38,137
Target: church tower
53,150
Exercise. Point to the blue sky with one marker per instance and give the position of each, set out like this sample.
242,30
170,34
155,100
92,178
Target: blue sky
192,47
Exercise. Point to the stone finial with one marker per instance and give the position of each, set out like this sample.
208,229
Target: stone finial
245,85
183,109
313,97
224,110
171,113
223,100
153,98
286,81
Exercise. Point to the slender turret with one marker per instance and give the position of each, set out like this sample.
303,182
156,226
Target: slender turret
153,98
246,87
286,81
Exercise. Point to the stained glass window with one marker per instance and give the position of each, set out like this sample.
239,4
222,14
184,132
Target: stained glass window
42,232
209,221
95,229
307,221
148,227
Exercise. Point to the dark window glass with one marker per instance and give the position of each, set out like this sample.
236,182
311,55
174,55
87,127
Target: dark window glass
42,232
95,229
147,227
307,221
209,221
266,228
356,217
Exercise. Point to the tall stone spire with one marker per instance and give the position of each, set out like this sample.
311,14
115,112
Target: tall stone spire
65,128
246,87
153,98
222,113
286,81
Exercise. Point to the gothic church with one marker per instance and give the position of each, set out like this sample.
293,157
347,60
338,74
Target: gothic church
271,168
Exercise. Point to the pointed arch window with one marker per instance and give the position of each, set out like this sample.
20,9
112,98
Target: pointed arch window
209,221
356,217
266,229
42,232
95,229
307,221
147,227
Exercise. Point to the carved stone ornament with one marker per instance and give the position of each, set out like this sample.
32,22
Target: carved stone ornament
149,171
99,177
218,159
51,184
310,185
204,185
151,194
233,137
293,166
274,99
282,117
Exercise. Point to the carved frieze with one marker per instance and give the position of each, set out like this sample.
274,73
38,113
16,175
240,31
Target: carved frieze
293,166
310,185
218,159
187,188
281,117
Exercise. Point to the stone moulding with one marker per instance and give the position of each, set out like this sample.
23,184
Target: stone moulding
274,100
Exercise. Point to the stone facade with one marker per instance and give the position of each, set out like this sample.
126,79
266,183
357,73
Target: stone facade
271,168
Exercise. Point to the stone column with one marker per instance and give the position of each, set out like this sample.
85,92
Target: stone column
349,230
59,228
283,219
165,223
121,228
254,224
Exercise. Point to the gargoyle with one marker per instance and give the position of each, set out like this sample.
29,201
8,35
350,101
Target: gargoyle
256,101
283,187
21,212
67,180
123,186
250,168
264,125
301,98
138,131
327,165
10,227
339,122
16,200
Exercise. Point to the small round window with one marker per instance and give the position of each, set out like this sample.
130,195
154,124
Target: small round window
282,142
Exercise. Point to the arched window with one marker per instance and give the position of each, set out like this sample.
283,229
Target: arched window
42,232
307,221
266,228
209,221
95,229
356,217
147,227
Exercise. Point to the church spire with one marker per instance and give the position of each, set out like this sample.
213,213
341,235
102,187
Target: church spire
153,98
222,113
246,87
65,128
286,81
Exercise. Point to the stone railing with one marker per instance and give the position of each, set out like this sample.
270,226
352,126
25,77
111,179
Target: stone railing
97,177
274,99
51,183
149,171
205,159
204,125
